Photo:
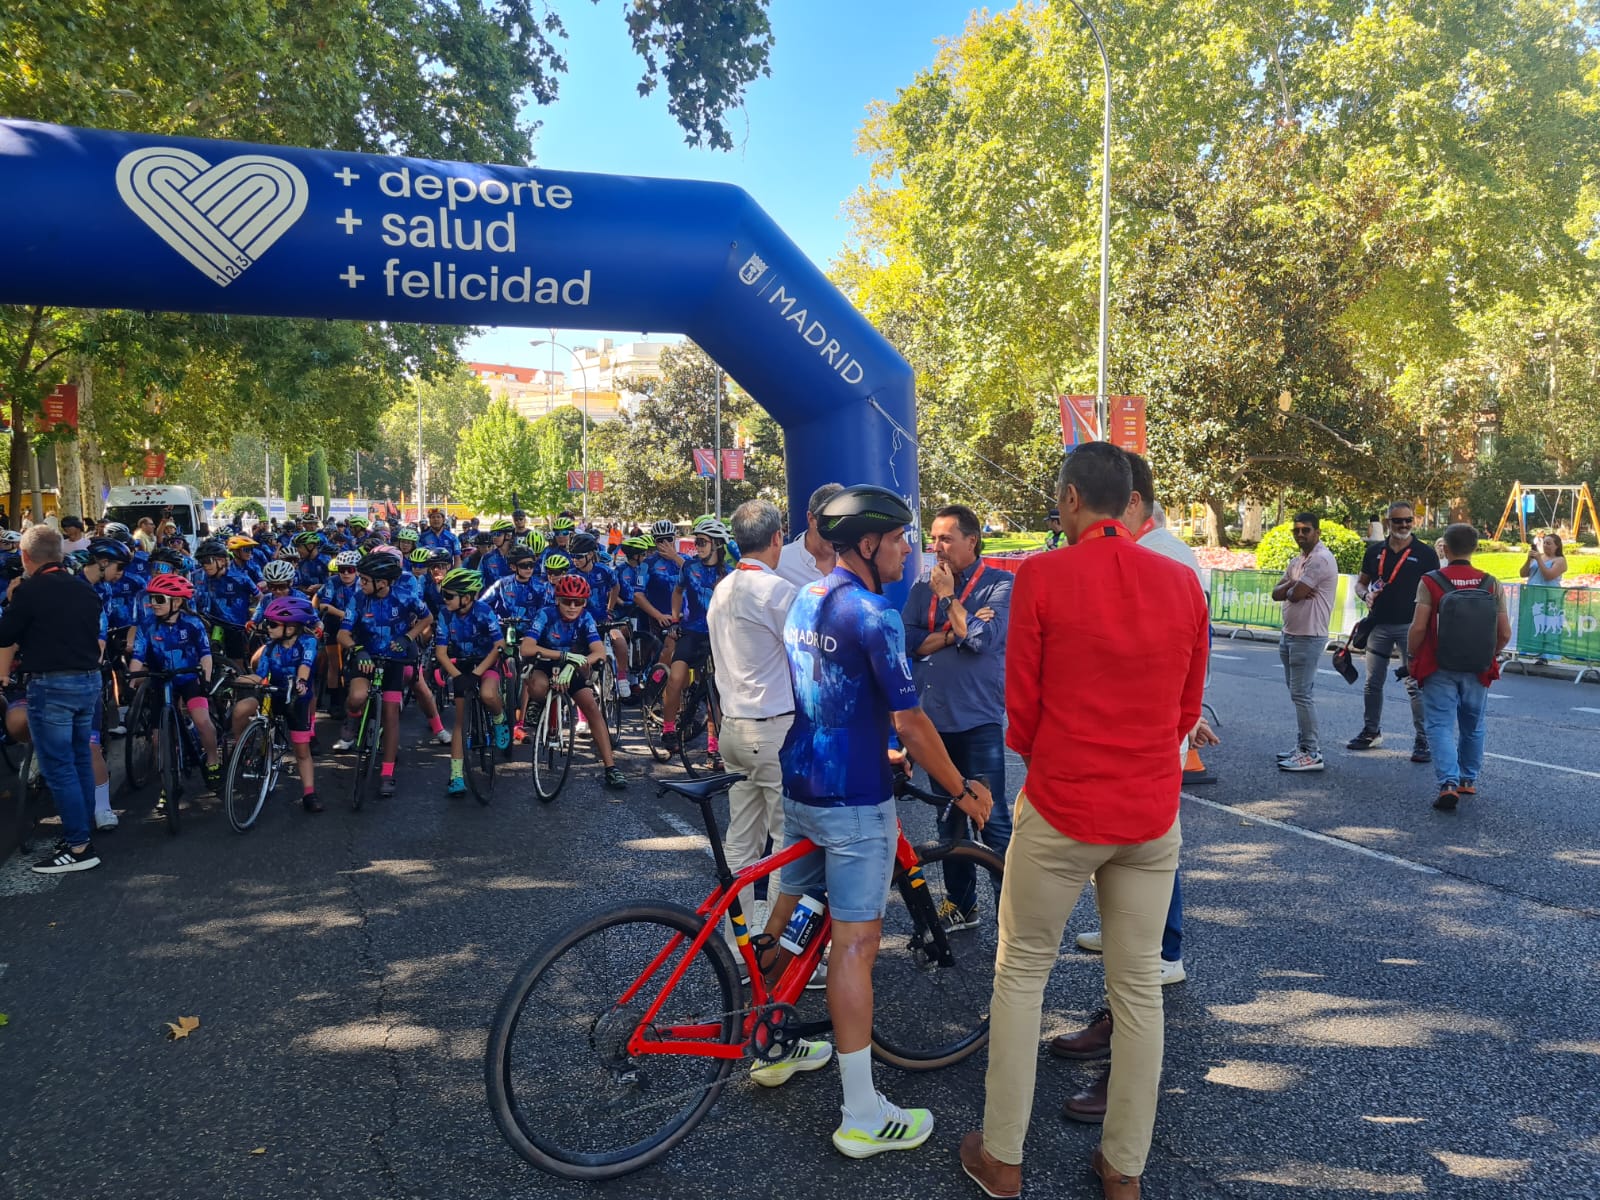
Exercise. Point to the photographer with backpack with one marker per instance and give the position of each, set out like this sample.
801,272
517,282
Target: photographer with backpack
1456,636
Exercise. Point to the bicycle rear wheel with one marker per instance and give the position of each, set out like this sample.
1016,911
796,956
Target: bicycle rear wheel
926,1014
252,773
138,746
171,773
610,703
650,718
366,748
693,734
478,748
565,1093
552,744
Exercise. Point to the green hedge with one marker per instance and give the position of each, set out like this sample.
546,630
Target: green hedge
1277,548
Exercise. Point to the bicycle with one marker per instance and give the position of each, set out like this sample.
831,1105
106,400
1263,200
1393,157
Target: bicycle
369,736
477,743
176,746
555,733
635,1015
18,758
699,711
256,763
605,681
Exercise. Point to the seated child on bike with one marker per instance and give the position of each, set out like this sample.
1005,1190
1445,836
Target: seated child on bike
466,643
566,628
176,642
285,666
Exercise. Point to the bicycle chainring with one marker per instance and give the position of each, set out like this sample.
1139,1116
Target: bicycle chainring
772,1036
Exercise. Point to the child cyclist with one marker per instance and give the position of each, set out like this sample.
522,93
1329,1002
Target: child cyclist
516,600
286,665
466,642
563,629
176,641
333,602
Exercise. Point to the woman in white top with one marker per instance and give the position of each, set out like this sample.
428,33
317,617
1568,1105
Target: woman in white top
1547,569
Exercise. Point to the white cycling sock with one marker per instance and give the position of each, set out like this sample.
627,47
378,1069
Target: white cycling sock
855,1072
102,797
623,688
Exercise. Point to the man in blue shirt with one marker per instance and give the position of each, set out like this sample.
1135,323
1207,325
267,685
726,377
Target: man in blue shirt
852,685
690,600
437,537
956,628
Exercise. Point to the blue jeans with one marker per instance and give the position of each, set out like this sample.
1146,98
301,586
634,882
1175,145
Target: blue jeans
61,711
975,752
1453,704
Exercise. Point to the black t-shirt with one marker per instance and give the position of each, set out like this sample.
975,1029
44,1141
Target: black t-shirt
1397,601
54,619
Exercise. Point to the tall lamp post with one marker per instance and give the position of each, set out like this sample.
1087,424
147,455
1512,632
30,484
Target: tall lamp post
583,367
1101,403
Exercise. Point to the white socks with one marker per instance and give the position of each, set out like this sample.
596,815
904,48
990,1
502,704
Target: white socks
623,689
102,798
855,1072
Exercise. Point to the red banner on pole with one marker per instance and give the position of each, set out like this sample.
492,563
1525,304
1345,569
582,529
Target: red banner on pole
705,463
574,481
1078,420
597,481
155,465
60,409
1126,415
733,463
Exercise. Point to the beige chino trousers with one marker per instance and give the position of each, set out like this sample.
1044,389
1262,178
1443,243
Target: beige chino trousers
1045,874
755,805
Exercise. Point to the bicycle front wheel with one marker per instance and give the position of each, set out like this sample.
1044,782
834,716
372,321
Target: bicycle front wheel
138,746
929,1013
552,745
479,750
610,702
565,1093
366,749
171,775
251,776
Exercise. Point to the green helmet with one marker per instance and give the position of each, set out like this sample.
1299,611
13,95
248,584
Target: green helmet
503,525
462,580
563,525
405,534
420,557
557,562
535,542
638,544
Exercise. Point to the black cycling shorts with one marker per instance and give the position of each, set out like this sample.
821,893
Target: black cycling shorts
580,675
235,642
692,648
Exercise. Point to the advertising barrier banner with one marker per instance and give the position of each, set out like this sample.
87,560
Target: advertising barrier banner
1245,598
1554,622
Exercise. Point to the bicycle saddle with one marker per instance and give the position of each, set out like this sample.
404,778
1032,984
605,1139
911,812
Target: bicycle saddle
700,790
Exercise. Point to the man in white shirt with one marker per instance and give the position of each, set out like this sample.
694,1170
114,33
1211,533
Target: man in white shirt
745,618
73,535
810,556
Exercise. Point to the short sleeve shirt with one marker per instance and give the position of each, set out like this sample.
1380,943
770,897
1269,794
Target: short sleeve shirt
1396,600
443,540
468,635
280,662
697,580
1319,571
515,602
177,646
379,625
846,647
553,633
658,576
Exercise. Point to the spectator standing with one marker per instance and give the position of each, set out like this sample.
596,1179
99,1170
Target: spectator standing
809,557
74,536
54,620
1054,539
1103,777
956,629
1306,590
1456,635
1390,573
1546,569
145,534
746,618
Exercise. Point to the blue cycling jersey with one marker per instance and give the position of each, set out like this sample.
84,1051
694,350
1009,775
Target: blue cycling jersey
601,581
227,597
552,632
469,635
339,594
697,580
311,573
442,540
517,603
493,566
250,568
548,551
847,661
280,662
629,581
660,575
176,646
379,625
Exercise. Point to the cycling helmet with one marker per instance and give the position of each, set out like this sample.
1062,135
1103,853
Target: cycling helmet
420,557
309,538
405,534
291,609
393,552
860,510
177,586
463,580
239,542
345,558
483,538
117,531
582,543
74,562
503,525
357,523
439,557
563,525
712,528
166,559
380,566
535,541
557,562
520,555
638,545
278,571
10,537
110,548
333,568
663,528
572,587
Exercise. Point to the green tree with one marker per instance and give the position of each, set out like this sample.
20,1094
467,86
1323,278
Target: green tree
497,456
558,448
448,404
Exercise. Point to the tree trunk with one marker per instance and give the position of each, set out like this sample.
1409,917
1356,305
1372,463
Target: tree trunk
1216,523
19,467
1251,530
70,473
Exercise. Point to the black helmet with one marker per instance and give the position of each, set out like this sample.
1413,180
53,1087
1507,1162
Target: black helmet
380,566
110,548
211,548
582,543
857,511
520,554
167,557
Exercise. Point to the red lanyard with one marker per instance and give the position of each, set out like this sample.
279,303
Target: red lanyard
1399,562
933,602
1102,530
1150,523
744,566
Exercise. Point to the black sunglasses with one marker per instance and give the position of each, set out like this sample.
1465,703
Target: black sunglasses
1402,520
449,595
1302,529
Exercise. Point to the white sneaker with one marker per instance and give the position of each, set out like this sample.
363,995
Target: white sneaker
806,1056
105,820
819,978
1172,972
1089,940
582,727
1304,761
623,689
442,738
890,1128
348,743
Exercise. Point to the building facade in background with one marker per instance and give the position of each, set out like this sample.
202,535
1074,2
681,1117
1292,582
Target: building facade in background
597,378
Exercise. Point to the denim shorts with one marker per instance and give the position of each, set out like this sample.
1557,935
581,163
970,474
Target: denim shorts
855,862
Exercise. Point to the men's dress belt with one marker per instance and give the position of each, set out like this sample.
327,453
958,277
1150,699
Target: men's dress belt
774,717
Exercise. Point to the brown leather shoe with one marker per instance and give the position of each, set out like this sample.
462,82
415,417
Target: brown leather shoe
1114,1185
1089,1105
1091,1042
1001,1181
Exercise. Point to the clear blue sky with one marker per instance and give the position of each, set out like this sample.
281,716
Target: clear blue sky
794,140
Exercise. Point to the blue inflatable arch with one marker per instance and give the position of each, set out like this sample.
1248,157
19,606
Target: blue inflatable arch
96,219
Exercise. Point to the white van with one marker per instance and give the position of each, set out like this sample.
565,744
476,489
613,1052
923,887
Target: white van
158,501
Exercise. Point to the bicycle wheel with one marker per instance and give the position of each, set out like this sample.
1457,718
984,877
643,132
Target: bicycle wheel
139,744
366,749
605,691
478,749
252,772
552,745
926,1015
650,718
167,750
694,746
563,1089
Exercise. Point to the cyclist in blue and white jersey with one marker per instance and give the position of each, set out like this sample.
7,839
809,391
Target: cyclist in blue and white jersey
176,641
225,593
495,565
560,538
437,537
311,569
466,646
691,597
630,574
564,628
853,687
420,564
660,571
603,591
332,604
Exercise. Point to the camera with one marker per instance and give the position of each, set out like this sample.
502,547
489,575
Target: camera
1402,672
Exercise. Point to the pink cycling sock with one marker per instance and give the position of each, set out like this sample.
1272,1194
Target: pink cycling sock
386,771
669,726
436,724
306,789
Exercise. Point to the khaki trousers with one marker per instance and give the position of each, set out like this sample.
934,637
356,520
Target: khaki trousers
1045,874
755,805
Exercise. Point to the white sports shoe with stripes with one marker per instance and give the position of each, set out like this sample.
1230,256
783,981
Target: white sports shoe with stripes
891,1128
806,1056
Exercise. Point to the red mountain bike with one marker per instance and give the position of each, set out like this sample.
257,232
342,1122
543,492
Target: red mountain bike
616,1038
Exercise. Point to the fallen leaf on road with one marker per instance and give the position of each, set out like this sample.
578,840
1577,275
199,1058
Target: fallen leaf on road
4,1020
259,1150
184,1027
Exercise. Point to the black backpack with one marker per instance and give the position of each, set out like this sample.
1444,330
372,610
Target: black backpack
1467,623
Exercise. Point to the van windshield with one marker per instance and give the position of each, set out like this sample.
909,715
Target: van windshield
131,514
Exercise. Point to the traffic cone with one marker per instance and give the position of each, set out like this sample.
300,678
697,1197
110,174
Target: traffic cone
1194,771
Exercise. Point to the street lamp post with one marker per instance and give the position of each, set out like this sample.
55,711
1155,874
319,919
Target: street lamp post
1101,403
584,368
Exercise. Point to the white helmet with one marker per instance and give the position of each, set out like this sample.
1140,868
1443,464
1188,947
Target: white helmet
278,571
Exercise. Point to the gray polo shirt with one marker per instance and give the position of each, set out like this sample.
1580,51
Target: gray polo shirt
962,686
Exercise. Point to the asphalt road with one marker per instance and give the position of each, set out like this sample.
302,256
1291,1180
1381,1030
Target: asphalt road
1383,1000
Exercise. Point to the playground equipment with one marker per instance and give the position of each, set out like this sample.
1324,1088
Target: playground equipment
1525,498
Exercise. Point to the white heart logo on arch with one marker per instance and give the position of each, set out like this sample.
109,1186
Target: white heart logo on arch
221,218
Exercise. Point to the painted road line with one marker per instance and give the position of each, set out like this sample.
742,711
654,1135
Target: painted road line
1313,835
1587,710
1229,657
1500,696
1531,762
1325,671
688,830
